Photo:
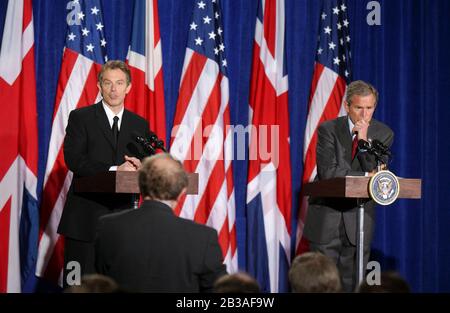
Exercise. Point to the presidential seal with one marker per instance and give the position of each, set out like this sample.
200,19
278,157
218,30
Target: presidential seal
384,187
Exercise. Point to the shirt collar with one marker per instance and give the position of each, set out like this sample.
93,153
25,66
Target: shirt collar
350,126
110,115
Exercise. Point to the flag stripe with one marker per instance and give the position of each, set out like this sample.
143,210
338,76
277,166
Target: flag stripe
201,136
53,270
202,139
270,20
5,217
192,102
207,160
197,65
214,186
155,16
70,60
48,237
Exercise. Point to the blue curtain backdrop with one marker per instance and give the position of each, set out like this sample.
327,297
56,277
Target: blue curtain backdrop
406,58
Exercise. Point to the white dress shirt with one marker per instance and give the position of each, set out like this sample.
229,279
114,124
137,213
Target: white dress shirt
110,115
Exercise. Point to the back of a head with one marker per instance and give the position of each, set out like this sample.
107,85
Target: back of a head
314,272
94,283
390,282
162,177
236,283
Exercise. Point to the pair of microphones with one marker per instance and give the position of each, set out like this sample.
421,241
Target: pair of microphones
374,147
151,143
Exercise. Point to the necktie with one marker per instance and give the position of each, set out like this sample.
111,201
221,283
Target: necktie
115,130
354,146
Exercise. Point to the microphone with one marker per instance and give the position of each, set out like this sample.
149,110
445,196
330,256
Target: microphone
150,144
159,144
145,144
364,145
383,149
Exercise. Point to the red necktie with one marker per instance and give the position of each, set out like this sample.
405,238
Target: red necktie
354,146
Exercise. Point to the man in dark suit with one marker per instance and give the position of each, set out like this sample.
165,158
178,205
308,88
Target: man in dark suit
331,223
152,250
99,138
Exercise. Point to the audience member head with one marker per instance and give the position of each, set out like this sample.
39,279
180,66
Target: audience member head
236,283
390,282
314,272
163,178
94,283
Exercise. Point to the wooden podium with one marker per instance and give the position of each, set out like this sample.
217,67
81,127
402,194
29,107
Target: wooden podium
122,182
358,187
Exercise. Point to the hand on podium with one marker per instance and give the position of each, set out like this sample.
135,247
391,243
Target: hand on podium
131,164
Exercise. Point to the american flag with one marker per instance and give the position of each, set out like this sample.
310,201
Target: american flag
19,156
84,53
269,191
332,73
146,97
201,138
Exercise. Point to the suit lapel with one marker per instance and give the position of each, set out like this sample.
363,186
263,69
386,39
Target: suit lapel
371,132
103,123
345,137
124,136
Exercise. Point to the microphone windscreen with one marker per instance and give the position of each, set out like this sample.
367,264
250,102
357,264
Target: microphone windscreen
379,145
135,136
362,144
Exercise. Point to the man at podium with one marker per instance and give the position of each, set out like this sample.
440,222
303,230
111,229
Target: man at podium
331,223
99,138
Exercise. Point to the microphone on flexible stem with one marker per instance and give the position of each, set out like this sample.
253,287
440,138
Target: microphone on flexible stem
364,145
157,143
160,145
146,144
378,145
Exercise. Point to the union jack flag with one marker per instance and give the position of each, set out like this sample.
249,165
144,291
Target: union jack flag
19,156
202,138
332,73
269,191
146,97
84,53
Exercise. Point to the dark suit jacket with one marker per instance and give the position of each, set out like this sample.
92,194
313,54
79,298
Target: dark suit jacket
152,250
334,149
88,150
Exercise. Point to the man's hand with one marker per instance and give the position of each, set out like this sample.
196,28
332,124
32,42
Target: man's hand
135,161
361,127
126,166
370,174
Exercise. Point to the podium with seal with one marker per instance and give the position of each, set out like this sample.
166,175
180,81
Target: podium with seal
384,188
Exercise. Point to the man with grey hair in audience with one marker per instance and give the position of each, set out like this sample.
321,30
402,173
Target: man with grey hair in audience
150,249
